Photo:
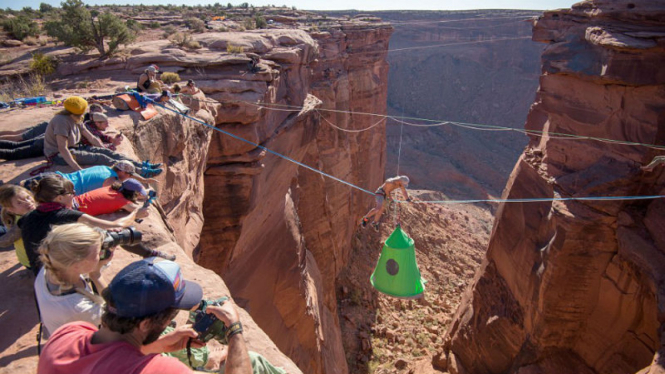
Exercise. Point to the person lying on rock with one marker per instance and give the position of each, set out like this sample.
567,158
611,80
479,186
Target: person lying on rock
95,177
63,135
141,301
92,108
97,124
16,202
22,135
55,197
382,195
149,83
71,257
30,148
652,165
118,196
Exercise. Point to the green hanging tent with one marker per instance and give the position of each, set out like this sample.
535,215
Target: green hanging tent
396,274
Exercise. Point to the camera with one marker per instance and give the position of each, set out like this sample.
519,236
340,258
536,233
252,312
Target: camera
207,325
127,236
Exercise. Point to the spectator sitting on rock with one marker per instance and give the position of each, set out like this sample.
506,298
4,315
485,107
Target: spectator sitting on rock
652,165
98,123
148,82
381,195
55,196
95,177
16,202
190,88
121,195
63,135
71,257
141,301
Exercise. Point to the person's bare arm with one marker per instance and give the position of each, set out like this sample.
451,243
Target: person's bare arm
107,225
65,154
12,235
237,360
91,138
406,194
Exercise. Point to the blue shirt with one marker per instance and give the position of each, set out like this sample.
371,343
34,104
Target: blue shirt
89,179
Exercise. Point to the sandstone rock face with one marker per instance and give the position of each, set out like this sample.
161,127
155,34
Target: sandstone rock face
180,144
577,286
276,231
475,66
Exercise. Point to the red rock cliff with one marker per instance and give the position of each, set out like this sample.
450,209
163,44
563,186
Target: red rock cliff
577,286
279,233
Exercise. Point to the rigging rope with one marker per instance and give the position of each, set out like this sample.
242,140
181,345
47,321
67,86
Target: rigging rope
588,198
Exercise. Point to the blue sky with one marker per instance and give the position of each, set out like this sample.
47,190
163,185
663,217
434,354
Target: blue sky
338,4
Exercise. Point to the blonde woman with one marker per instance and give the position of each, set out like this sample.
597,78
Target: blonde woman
16,202
71,257
381,195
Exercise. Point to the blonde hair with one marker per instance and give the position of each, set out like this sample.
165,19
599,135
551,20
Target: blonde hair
402,178
7,193
66,245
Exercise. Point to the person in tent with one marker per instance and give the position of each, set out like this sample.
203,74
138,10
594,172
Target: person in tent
652,165
381,195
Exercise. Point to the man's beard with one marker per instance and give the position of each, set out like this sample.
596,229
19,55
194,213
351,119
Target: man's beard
153,335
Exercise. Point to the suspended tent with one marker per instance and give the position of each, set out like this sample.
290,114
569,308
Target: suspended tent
396,273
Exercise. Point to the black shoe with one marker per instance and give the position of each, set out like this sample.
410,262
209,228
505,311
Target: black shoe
363,223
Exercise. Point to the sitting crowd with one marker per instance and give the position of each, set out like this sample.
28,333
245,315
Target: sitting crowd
95,322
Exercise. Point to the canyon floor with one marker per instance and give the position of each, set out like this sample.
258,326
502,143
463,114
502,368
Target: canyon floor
383,334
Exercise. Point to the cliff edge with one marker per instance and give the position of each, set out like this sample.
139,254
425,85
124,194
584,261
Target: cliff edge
573,286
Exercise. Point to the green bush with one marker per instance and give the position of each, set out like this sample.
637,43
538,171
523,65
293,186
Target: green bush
170,78
134,25
154,25
195,24
20,27
260,21
168,31
43,64
86,30
45,8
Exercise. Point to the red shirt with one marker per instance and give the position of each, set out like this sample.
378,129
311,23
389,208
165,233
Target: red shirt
69,351
101,201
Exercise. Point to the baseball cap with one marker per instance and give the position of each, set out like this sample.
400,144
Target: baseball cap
151,286
153,68
132,184
99,117
125,166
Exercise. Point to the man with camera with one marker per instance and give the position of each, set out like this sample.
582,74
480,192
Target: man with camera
141,301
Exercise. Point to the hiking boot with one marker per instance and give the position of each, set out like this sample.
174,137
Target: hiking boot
147,165
149,173
363,223
376,226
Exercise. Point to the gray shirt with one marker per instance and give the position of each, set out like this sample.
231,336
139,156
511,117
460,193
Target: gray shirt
63,125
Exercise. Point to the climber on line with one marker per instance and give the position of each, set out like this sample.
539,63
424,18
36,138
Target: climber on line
656,161
381,195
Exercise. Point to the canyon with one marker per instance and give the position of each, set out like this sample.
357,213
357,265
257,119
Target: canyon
551,287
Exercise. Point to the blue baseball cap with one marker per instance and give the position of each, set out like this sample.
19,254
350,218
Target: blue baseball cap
151,286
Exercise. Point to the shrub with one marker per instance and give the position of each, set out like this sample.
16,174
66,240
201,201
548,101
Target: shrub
248,24
20,27
134,25
45,8
195,24
193,44
86,30
170,78
260,21
230,48
20,87
154,25
43,64
168,31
